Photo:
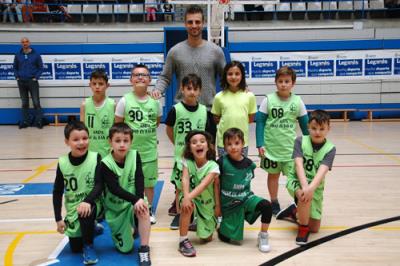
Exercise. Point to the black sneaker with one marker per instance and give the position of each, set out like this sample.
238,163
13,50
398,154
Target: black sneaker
288,214
187,249
23,125
302,235
39,125
172,210
275,207
175,223
144,256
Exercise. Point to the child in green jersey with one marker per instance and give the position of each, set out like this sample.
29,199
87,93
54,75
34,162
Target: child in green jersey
234,106
182,118
143,114
313,156
97,112
238,203
75,179
276,130
198,194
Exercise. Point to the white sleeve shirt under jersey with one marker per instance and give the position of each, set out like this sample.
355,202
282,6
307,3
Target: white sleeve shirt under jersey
120,109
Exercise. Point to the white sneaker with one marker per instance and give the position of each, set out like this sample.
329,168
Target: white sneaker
153,219
263,245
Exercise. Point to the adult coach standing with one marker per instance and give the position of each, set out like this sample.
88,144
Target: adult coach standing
194,55
28,67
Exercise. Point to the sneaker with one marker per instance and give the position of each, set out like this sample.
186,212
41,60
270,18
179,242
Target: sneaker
172,210
275,207
89,255
302,235
23,125
175,223
144,256
98,228
193,226
187,249
262,242
153,219
39,125
288,214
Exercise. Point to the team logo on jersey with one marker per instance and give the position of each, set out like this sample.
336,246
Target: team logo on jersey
152,114
105,122
131,179
89,180
201,124
292,108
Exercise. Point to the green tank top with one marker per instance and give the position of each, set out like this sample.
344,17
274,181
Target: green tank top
235,184
142,118
280,127
99,123
126,179
185,122
206,198
78,182
312,160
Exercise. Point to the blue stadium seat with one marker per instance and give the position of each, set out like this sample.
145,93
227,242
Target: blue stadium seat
329,9
345,9
314,10
89,13
121,12
298,10
75,11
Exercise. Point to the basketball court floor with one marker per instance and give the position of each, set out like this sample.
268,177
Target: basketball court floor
363,187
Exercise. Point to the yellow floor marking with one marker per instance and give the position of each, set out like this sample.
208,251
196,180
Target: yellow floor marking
374,149
41,169
8,258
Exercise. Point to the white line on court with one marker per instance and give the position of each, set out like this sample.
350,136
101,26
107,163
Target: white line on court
26,220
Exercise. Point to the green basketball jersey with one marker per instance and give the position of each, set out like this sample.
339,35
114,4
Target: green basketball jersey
142,118
235,184
312,160
280,127
126,179
78,182
99,121
186,121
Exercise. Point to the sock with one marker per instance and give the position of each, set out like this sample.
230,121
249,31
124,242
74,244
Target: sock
263,234
182,238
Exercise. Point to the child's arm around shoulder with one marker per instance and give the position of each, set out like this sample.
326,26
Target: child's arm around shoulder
170,123
82,112
58,191
303,118
252,107
216,108
120,110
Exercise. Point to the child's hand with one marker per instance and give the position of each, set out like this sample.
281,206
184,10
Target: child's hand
261,151
61,227
141,207
186,205
155,94
84,209
308,194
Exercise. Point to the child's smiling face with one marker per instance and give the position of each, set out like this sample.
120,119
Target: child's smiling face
78,141
199,146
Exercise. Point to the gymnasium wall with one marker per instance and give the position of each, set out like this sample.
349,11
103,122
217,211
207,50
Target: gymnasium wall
379,91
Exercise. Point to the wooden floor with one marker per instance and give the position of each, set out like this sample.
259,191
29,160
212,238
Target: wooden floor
364,186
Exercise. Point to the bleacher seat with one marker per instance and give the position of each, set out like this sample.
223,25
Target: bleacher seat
105,12
89,12
314,10
298,10
283,11
136,12
345,9
360,9
269,10
40,11
238,11
329,9
377,9
121,12
75,11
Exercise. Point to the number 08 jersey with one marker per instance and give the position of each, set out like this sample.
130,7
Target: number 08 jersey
280,127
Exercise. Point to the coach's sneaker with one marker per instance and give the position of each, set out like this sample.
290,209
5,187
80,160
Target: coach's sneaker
275,207
288,214
144,256
302,235
263,244
98,228
89,255
172,210
187,249
153,219
175,223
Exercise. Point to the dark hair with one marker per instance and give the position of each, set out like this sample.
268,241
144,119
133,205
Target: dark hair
74,125
320,117
191,79
99,73
285,70
233,132
140,66
187,153
194,9
120,127
224,82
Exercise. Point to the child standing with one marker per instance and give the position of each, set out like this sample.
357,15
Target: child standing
276,130
313,156
143,114
199,172
75,175
238,202
97,112
183,117
234,106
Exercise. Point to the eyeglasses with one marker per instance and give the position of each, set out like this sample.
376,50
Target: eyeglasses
137,75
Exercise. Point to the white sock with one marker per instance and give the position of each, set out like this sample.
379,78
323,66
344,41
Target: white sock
263,234
181,238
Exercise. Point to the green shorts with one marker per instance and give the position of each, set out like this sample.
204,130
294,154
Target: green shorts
232,223
293,184
273,167
176,175
121,225
150,172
